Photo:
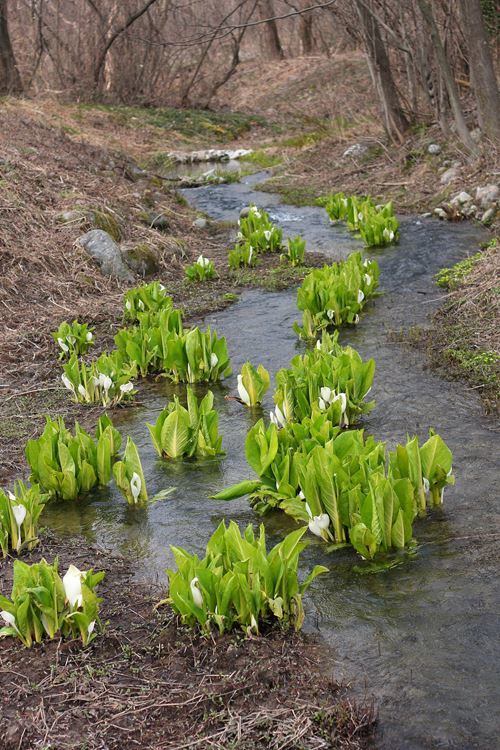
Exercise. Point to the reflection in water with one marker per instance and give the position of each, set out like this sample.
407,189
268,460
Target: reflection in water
421,636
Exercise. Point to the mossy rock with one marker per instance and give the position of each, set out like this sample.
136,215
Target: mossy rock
142,259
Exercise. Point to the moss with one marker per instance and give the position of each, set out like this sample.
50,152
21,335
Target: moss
219,126
107,220
273,279
294,196
451,278
230,297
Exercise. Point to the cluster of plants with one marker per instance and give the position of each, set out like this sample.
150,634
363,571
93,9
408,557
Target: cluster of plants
44,605
201,270
347,488
239,583
73,339
66,466
257,234
328,379
106,381
187,432
377,225
336,294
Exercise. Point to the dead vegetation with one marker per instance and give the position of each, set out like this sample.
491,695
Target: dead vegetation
149,683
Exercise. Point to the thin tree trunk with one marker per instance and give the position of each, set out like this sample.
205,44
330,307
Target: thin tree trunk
447,75
274,48
306,33
395,120
481,66
10,80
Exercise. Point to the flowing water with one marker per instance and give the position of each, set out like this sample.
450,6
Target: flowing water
420,638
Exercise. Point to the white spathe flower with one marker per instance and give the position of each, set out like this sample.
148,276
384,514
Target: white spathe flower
8,618
126,387
140,304
83,391
280,417
366,263
318,344
11,496
214,360
302,497
239,236
326,394
243,393
90,628
356,319
322,405
135,486
360,216
318,524
361,296
272,417
426,485
105,381
128,305
250,255
161,287
67,383
72,582
196,593
330,314
63,346
203,262
255,212
19,512
368,279
267,234
388,235
343,401
89,336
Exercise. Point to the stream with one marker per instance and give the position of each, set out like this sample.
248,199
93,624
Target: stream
421,639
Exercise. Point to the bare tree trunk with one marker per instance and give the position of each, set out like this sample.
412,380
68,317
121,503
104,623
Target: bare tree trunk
10,80
275,50
447,75
481,66
395,120
306,33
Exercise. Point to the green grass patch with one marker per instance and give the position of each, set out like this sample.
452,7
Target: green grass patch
262,159
451,278
219,126
293,195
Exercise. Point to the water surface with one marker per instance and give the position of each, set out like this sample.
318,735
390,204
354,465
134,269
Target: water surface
421,638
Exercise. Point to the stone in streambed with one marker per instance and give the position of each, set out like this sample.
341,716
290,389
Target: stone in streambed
142,259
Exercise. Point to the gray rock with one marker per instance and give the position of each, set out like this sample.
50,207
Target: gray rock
487,195
476,135
461,199
244,212
488,216
426,215
440,213
200,223
434,149
355,151
142,259
134,172
106,252
451,174
159,221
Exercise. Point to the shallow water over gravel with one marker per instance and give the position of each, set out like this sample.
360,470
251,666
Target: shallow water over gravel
421,638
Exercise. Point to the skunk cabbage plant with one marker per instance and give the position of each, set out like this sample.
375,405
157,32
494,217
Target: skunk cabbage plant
43,605
201,270
67,466
129,476
253,384
239,583
73,338
146,298
19,514
105,381
191,432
